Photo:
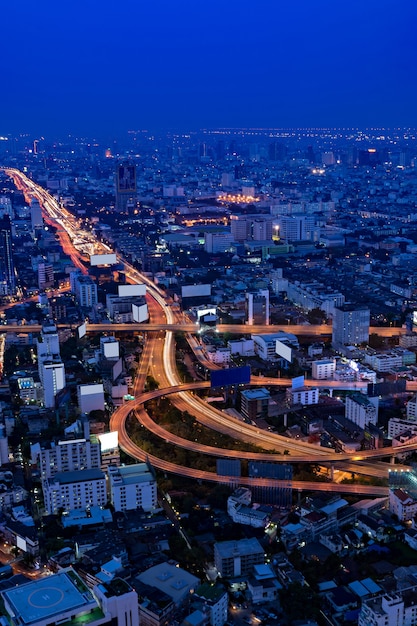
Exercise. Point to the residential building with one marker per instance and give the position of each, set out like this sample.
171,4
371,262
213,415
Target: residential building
263,586
303,395
132,487
90,397
361,410
323,369
177,583
402,504
74,490
84,288
52,375
390,609
66,456
237,558
257,307
412,409
350,325
254,403
214,602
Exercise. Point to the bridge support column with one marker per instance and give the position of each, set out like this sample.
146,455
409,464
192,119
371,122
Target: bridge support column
285,419
331,469
331,393
392,460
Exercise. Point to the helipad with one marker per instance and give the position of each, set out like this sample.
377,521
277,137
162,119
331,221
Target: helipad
48,597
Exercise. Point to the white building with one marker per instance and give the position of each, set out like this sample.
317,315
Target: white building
109,348
240,510
402,504
90,397
36,219
299,227
174,581
237,558
397,426
219,356
74,490
243,347
131,487
412,408
314,295
84,288
214,602
218,242
66,456
257,305
323,369
265,345
52,375
303,395
390,609
361,410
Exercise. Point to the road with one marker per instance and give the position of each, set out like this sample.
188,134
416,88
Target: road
159,355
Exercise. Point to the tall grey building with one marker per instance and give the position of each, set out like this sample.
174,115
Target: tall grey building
350,325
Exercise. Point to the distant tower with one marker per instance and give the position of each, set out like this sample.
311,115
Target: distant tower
126,188
36,219
7,275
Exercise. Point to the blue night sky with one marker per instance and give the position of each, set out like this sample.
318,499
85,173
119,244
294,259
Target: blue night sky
100,66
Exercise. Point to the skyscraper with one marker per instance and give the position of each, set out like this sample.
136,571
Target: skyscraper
126,187
7,274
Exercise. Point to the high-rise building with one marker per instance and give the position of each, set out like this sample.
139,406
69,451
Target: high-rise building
7,273
36,219
126,186
84,288
67,456
6,207
350,325
257,307
52,375
74,490
45,275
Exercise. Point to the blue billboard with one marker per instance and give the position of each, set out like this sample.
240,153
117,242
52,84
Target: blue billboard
231,376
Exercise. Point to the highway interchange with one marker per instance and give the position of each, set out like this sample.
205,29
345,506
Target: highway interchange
158,359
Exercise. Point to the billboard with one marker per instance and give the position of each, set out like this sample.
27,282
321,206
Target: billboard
108,441
194,291
82,330
140,313
283,350
231,376
103,259
127,291
263,469
206,311
126,178
297,383
228,467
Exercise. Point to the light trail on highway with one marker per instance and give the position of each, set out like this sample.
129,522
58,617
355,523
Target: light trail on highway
160,355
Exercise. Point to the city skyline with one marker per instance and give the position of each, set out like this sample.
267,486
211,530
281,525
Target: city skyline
107,69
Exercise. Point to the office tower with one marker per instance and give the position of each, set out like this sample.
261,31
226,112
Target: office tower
84,288
45,275
6,207
126,187
36,219
257,307
50,367
7,274
350,325
296,227
52,375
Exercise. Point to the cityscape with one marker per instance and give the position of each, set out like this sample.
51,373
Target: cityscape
208,313
208,393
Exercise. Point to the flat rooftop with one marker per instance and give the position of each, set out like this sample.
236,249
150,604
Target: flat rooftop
49,598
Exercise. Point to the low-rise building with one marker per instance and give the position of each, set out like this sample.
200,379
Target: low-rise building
132,487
